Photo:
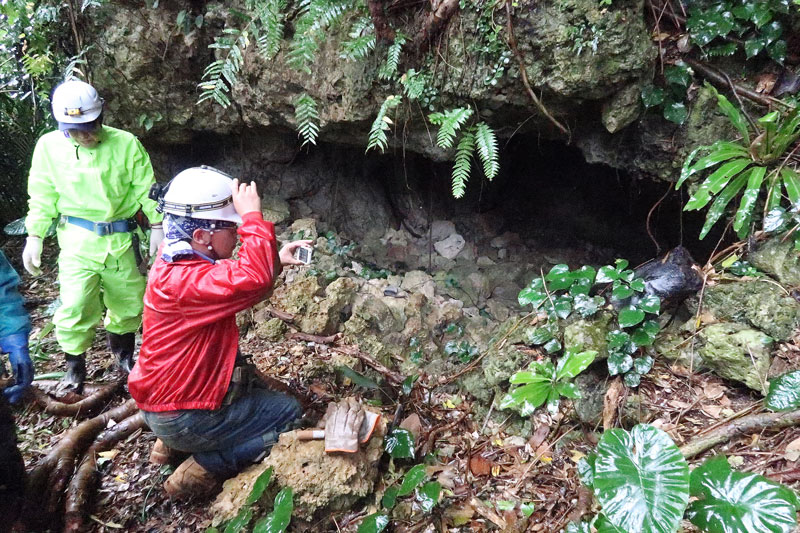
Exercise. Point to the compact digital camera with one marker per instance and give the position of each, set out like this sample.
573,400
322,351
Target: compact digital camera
303,254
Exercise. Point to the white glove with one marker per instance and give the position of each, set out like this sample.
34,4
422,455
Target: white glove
32,255
156,236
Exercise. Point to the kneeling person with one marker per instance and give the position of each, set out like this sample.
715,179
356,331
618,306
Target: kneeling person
184,379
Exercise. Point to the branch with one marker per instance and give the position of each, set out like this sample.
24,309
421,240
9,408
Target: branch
433,23
286,317
718,78
78,407
391,375
512,43
740,426
330,339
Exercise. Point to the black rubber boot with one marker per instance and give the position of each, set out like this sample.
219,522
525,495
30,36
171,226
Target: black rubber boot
122,346
76,374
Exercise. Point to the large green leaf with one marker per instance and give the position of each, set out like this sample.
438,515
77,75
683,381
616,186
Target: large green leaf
412,479
573,363
715,183
630,316
733,113
641,480
738,502
259,486
399,444
527,397
240,521
791,183
278,520
718,207
374,523
784,392
741,222
428,495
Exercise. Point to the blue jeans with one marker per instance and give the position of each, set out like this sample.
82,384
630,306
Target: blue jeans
228,439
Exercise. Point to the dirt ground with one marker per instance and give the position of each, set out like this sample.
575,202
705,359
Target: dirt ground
479,464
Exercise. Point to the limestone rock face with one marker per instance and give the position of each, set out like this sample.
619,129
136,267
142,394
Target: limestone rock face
736,352
778,259
319,481
759,304
324,317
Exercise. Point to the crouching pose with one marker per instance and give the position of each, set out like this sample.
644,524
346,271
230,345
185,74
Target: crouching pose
187,380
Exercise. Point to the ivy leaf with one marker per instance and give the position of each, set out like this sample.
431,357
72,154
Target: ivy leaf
399,444
678,75
428,495
739,502
621,292
641,480
552,346
607,274
784,392
587,305
777,51
632,379
643,364
630,316
539,336
652,96
558,278
645,334
650,304
531,296
676,112
374,523
753,47
637,284
412,479
619,363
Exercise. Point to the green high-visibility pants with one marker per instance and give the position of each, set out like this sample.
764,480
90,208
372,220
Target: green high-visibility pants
86,287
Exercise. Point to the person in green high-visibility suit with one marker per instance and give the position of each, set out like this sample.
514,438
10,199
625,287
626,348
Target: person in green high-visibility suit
94,179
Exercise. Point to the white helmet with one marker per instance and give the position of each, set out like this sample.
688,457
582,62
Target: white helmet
76,102
200,192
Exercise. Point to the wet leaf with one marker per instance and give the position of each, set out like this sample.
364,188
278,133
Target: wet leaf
586,469
390,497
540,335
278,520
587,306
676,112
650,304
262,482
652,96
607,274
552,346
573,363
643,364
632,379
558,278
527,509
630,316
739,502
240,521
356,378
620,292
619,363
412,479
641,480
374,523
399,444
533,297
428,495
784,392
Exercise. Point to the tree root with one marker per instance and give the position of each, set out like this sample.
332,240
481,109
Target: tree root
383,30
81,487
319,339
75,405
391,375
433,23
740,426
49,477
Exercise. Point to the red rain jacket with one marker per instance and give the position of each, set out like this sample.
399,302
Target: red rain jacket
190,336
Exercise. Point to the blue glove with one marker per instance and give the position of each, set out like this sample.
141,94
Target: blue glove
16,346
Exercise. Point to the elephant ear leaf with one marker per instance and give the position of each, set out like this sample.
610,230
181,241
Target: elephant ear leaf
641,480
784,392
739,502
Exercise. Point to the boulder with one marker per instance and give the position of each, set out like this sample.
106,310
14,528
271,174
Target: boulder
779,259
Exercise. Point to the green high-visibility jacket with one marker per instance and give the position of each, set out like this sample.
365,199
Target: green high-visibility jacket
106,183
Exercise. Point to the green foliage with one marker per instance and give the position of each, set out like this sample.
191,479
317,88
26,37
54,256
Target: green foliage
784,392
382,124
739,502
449,122
261,484
750,169
670,98
399,444
388,70
465,351
543,382
307,118
562,292
221,74
374,523
362,40
756,25
642,483
486,143
462,163
278,520
315,16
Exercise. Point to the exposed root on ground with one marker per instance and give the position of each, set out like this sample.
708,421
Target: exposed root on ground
50,476
740,426
71,404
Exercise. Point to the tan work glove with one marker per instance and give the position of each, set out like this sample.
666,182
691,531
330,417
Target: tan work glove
342,423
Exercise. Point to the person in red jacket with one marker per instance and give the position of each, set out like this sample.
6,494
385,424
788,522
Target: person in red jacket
186,378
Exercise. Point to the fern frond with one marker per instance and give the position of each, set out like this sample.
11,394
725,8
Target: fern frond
449,123
414,83
315,16
270,15
222,74
389,68
462,163
727,49
486,141
358,48
307,117
377,133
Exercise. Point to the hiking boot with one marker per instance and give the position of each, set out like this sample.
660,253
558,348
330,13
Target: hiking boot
122,346
190,480
161,454
75,376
